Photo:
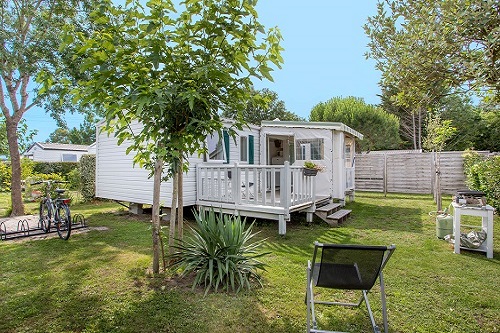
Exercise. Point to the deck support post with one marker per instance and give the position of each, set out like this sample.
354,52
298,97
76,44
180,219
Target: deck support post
282,225
135,208
165,214
309,217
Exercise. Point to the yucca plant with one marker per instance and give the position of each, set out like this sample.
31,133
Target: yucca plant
220,253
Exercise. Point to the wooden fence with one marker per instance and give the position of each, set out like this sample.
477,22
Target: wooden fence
409,172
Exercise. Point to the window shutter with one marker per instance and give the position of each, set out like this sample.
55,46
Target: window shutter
250,150
226,144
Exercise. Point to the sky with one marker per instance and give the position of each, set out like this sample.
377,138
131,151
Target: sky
324,44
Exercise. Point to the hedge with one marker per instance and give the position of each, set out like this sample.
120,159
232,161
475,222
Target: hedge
484,175
87,174
61,168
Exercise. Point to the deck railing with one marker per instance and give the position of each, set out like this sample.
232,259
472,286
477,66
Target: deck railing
265,185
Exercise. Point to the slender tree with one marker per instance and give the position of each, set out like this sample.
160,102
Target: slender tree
173,69
29,46
438,133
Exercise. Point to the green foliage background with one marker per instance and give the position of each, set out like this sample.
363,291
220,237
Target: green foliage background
484,175
61,168
379,128
265,105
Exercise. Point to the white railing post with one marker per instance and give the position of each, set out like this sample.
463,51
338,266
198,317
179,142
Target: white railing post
288,186
198,183
236,184
313,194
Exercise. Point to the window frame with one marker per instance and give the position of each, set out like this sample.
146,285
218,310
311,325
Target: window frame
316,149
75,156
219,143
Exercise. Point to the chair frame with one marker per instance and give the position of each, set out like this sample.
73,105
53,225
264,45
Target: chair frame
310,302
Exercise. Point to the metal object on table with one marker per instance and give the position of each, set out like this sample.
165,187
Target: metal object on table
470,198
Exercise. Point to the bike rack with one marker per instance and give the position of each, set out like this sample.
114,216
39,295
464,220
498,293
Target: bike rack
24,229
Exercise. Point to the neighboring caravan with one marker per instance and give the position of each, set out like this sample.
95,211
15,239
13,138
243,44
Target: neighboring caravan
257,174
55,152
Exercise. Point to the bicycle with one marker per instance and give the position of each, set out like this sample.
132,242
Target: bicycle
55,211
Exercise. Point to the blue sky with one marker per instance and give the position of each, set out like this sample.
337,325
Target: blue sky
324,57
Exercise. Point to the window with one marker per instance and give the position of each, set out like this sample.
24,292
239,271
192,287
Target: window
69,158
310,149
215,148
243,149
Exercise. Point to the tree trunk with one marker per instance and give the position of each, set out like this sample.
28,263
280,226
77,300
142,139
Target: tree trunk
438,182
180,201
414,131
15,160
173,214
420,128
156,215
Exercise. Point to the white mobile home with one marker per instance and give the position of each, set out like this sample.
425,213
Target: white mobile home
258,174
55,152
118,179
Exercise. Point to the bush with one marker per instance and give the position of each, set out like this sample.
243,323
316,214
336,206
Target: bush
220,253
87,177
32,192
61,168
27,167
5,176
484,175
6,173
74,178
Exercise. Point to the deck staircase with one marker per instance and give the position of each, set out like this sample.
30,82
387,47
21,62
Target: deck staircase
332,213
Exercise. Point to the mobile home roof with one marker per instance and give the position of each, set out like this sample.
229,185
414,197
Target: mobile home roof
313,124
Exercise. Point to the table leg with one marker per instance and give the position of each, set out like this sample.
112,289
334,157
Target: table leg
456,229
489,234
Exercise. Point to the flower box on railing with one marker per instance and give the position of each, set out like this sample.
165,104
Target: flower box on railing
311,169
309,172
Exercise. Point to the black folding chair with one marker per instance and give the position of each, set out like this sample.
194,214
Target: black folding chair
346,267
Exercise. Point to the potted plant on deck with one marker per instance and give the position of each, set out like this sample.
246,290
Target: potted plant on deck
311,169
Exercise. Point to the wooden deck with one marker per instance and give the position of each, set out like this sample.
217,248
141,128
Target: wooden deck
260,191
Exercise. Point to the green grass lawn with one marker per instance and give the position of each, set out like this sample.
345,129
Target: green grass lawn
98,281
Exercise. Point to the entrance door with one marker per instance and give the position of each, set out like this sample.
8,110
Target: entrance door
280,148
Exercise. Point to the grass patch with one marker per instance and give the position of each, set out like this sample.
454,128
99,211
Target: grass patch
98,282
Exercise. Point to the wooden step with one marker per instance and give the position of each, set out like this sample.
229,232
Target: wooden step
339,215
329,207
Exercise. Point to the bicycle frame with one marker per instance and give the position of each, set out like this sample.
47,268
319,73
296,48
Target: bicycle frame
52,208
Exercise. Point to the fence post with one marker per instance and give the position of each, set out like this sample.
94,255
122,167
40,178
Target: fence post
385,174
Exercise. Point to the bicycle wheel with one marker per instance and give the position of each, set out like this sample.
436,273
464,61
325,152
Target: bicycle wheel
45,216
63,222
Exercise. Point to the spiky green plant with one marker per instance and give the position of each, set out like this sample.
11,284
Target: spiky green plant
220,252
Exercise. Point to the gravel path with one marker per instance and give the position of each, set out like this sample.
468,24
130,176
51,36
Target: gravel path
13,224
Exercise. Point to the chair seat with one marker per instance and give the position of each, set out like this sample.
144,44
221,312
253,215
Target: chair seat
345,277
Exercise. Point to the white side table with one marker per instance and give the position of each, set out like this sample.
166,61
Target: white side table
486,214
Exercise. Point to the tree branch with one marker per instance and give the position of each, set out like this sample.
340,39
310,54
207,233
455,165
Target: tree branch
4,108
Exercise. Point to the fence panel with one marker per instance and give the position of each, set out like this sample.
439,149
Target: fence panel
409,172
369,173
